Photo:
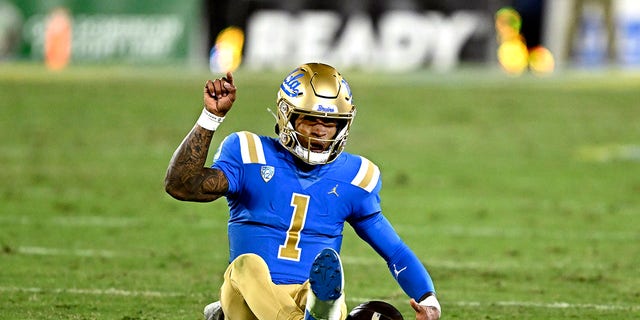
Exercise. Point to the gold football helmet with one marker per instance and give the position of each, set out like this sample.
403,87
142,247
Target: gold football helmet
317,90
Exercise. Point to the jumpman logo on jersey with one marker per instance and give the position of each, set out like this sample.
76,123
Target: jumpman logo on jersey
334,191
396,271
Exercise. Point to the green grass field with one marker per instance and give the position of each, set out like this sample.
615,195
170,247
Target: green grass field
522,196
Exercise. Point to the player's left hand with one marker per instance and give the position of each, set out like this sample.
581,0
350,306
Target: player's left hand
424,313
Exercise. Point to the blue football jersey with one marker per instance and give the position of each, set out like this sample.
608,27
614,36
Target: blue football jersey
287,213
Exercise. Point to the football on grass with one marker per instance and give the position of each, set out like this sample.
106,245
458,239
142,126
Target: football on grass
374,310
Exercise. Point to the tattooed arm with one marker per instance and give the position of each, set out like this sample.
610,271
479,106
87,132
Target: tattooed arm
187,178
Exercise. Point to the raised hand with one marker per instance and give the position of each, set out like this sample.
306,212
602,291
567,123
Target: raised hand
219,95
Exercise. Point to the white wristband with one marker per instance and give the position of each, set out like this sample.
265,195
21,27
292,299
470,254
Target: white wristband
431,301
209,120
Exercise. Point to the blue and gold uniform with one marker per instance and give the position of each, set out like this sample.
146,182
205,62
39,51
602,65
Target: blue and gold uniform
289,198
286,212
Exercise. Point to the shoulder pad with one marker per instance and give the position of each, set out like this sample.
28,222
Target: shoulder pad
367,176
251,147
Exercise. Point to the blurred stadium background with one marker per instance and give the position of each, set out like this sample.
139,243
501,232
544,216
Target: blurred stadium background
372,34
510,156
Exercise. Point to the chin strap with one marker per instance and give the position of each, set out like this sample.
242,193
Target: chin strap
273,114
310,156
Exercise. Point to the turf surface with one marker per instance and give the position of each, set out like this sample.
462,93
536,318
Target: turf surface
521,195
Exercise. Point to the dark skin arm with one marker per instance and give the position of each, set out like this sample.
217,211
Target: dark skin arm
187,178
424,313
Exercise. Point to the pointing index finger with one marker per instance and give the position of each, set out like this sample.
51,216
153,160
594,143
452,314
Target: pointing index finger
230,77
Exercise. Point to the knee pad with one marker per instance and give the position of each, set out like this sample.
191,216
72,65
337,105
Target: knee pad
249,264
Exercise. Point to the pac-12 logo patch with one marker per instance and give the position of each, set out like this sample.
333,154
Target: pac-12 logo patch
267,173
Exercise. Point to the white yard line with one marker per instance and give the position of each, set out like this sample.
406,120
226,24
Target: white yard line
352,299
548,305
75,221
346,259
515,233
403,229
41,251
104,222
472,265
525,304
93,253
107,292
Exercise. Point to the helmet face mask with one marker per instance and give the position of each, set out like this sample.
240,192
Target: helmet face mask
314,90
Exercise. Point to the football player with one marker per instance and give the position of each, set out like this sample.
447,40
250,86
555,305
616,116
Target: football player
289,198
